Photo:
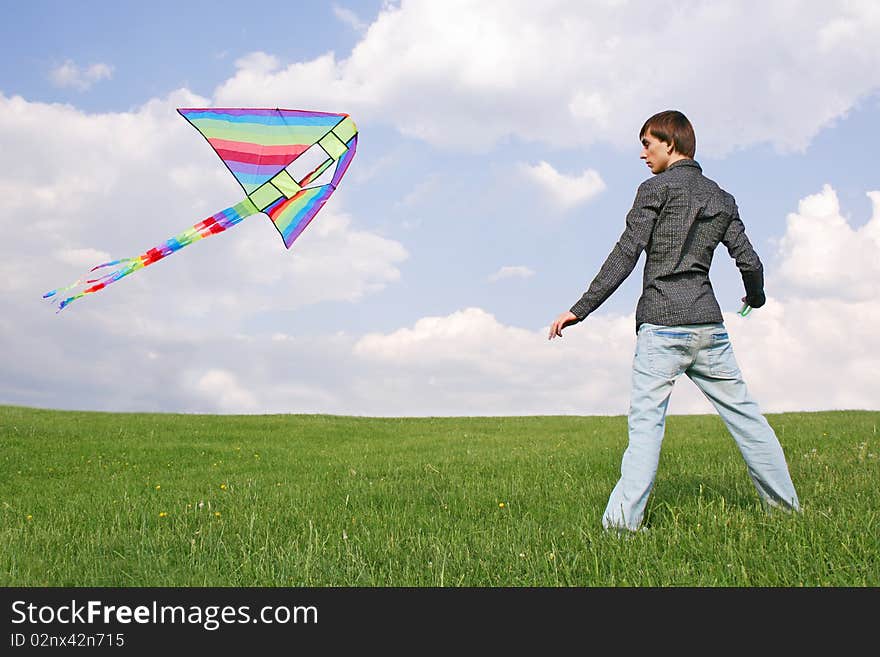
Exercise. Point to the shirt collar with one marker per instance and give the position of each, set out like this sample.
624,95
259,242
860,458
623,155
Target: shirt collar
686,162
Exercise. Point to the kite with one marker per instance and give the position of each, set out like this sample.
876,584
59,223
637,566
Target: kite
288,162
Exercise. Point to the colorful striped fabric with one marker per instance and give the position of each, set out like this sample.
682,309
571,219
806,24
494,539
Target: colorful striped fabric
288,162
214,224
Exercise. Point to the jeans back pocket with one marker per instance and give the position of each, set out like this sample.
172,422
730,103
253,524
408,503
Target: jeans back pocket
721,359
669,351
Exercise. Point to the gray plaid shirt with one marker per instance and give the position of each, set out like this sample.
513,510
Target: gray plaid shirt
679,217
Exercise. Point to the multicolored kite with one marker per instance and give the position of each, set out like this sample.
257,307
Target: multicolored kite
288,162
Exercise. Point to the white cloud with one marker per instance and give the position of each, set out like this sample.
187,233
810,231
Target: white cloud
514,271
801,354
69,74
222,390
568,73
824,257
257,63
564,190
82,258
468,363
349,17
329,261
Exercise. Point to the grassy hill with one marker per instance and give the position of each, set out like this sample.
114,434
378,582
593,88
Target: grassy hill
114,499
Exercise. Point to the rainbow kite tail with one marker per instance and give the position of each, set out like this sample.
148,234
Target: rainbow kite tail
216,223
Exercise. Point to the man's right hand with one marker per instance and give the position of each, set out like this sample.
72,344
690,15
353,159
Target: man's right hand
565,319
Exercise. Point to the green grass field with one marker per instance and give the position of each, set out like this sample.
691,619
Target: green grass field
105,499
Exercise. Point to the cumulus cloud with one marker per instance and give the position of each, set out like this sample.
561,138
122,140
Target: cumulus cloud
824,257
224,392
468,75
470,363
516,271
805,354
565,191
807,348
70,75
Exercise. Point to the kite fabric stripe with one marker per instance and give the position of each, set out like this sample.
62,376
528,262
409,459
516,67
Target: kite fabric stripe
259,133
292,216
258,147
214,224
248,142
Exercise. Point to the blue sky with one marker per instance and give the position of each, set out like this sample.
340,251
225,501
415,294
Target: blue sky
158,46
395,301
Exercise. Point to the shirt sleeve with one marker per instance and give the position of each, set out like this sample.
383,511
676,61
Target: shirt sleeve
640,221
747,261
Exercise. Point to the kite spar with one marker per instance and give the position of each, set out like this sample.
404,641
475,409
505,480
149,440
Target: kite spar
288,162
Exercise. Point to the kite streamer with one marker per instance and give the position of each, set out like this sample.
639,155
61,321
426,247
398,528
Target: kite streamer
288,162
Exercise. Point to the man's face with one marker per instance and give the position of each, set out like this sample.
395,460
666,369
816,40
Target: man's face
655,152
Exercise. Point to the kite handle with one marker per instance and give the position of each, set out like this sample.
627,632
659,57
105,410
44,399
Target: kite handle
745,310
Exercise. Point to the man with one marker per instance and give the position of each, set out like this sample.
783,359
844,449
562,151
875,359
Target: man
679,217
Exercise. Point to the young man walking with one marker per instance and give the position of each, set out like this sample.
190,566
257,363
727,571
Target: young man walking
679,217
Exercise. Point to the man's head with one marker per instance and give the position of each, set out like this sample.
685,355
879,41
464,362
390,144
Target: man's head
666,138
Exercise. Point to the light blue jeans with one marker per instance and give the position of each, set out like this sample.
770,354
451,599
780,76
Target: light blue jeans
704,353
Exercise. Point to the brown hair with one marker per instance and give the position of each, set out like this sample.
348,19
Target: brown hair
673,128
